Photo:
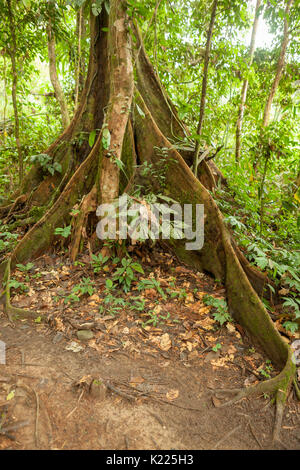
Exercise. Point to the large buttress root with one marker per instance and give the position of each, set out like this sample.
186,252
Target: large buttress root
167,120
87,206
39,238
218,256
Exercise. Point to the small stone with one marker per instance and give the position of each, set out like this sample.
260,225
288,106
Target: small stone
85,335
75,347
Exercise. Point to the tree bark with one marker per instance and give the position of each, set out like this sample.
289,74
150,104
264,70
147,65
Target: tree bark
204,85
245,85
79,71
121,93
280,65
54,77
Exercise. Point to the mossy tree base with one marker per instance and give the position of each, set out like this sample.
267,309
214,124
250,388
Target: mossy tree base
139,120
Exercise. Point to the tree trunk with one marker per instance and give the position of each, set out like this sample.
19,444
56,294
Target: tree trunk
128,130
12,53
204,85
54,77
79,71
245,84
280,64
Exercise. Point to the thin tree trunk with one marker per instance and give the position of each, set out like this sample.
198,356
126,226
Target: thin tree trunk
79,31
204,83
5,99
245,84
280,64
297,186
12,52
54,77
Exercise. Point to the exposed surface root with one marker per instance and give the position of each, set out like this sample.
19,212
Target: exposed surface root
9,309
297,389
279,385
87,206
7,210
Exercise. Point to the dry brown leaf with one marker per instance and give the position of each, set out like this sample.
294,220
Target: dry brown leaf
172,394
165,342
137,380
216,401
94,297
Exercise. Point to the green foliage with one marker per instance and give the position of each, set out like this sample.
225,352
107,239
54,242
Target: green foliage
97,6
216,347
221,315
63,232
7,239
25,268
266,371
294,303
46,163
151,283
291,326
98,262
125,274
85,287
14,284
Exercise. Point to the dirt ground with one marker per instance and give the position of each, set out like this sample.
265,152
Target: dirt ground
131,385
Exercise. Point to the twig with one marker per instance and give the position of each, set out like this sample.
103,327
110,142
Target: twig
74,409
119,392
32,390
253,434
36,433
49,422
14,427
157,418
177,406
226,437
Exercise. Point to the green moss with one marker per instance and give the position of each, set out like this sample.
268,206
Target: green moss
37,212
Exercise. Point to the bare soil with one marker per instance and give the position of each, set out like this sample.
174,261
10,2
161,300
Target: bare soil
132,385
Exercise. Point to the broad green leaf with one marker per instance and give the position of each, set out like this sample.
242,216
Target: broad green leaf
92,137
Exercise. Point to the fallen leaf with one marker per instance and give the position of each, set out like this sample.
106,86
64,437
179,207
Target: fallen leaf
230,327
216,401
172,394
165,342
11,395
94,297
75,347
137,380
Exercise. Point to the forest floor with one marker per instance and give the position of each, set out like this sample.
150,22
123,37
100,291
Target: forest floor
145,373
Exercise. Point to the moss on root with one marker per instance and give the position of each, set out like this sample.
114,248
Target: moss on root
219,257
